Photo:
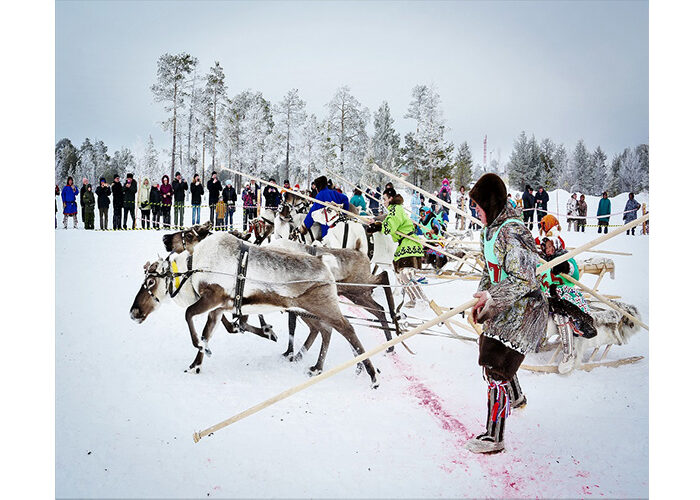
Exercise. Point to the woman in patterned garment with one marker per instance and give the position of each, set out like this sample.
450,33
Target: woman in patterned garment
567,305
510,305
408,254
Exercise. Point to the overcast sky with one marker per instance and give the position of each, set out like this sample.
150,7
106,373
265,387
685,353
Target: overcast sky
564,70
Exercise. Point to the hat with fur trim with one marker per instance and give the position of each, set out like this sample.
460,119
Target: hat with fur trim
490,194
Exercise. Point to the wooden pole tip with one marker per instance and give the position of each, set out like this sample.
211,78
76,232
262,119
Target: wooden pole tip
196,437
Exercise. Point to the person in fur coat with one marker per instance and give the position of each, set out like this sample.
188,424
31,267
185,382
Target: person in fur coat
510,305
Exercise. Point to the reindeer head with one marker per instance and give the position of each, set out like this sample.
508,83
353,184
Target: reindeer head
152,291
187,239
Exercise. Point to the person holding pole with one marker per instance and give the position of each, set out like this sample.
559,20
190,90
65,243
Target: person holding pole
510,305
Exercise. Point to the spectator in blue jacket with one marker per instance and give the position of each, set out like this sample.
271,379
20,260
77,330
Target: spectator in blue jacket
70,207
327,195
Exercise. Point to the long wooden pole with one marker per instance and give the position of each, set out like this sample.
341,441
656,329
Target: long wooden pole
318,378
627,254
602,298
330,172
301,195
425,193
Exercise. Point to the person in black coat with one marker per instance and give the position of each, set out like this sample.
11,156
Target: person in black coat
103,193
541,199
230,199
130,189
528,207
214,187
179,190
272,196
118,202
154,201
197,190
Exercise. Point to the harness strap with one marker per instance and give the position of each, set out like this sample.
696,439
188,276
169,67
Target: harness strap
345,235
186,275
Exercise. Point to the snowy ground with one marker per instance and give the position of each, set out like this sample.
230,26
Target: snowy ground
126,411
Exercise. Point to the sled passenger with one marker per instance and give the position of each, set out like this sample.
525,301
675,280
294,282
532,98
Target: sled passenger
327,195
567,305
510,305
408,253
432,228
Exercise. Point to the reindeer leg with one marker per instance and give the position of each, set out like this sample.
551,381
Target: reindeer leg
292,326
206,302
212,320
365,299
326,340
390,302
314,328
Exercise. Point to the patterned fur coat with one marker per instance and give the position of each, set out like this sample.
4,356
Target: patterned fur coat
518,314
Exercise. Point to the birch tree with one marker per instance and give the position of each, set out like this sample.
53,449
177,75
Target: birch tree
214,101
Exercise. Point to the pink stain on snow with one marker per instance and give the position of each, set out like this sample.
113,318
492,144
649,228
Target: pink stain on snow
512,486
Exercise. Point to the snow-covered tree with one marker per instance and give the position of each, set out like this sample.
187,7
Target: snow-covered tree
584,176
311,151
259,154
425,108
463,165
66,160
612,179
598,159
214,101
169,88
630,171
385,143
643,154
290,115
149,163
520,165
123,162
347,130
549,169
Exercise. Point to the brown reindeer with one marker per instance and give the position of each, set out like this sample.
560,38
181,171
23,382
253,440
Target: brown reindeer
276,280
350,267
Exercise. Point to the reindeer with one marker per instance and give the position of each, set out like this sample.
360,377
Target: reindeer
350,266
276,281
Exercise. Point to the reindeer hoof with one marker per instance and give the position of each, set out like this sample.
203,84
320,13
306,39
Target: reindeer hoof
375,384
207,351
313,371
193,369
390,349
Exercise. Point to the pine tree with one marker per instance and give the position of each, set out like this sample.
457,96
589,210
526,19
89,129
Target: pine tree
519,165
172,70
66,157
549,169
463,166
347,130
612,180
599,170
290,115
582,169
101,161
123,162
430,130
630,171
214,99
310,149
385,143
643,154
150,166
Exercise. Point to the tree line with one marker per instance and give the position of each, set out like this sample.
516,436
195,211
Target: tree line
211,129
